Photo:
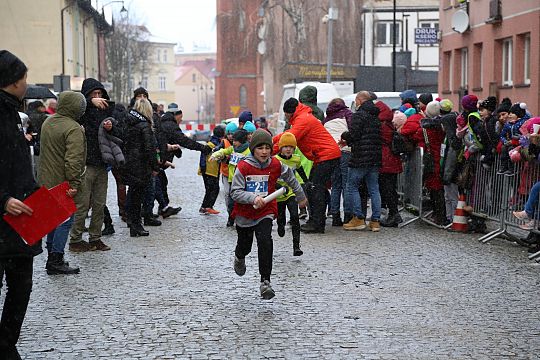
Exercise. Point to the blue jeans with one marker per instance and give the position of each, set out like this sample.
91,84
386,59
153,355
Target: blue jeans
57,239
352,195
339,184
149,197
532,203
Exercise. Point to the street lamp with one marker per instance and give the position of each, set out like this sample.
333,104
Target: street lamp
329,18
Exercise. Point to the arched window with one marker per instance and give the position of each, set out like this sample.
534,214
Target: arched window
243,96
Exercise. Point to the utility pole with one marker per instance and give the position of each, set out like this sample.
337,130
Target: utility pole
329,59
394,49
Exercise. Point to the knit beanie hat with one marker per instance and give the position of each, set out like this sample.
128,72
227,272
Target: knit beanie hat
249,127
139,91
260,137
518,109
404,107
231,128
290,105
410,112
504,106
287,139
489,104
399,119
240,136
446,105
12,69
219,131
425,98
245,116
433,109
408,94
469,102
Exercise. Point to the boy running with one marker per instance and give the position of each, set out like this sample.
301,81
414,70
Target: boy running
255,177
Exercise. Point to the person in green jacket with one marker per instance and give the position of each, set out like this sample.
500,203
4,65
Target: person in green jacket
63,158
308,96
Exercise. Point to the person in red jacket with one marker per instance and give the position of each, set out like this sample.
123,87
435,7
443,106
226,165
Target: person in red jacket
413,129
391,167
316,143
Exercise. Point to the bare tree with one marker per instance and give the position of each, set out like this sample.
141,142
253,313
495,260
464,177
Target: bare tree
127,54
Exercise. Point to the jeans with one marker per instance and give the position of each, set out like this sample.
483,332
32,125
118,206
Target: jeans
263,233
320,175
352,196
57,239
95,184
339,183
211,186
18,272
532,203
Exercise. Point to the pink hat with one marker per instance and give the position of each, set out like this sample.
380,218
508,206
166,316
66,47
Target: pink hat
399,119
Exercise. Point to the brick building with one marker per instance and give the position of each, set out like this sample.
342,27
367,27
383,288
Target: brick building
490,47
238,78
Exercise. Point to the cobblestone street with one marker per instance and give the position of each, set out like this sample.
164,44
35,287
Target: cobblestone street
415,293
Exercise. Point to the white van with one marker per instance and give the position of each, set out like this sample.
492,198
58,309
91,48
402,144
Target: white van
325,93
390,98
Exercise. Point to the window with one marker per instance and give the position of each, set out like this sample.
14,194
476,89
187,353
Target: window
162,83
429,24
447,70
527,59
384,30
243,97
464,68
241,20
164,56
507,62
193,77
477,61
159,55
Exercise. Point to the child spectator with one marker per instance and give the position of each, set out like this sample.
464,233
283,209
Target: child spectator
286,155
510,135
210,174
255,177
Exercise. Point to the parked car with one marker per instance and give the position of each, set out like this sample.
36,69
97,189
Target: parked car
201,135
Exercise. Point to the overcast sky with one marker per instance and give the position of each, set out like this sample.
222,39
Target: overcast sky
184,21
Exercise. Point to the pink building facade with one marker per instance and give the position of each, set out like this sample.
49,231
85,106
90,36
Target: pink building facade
496,51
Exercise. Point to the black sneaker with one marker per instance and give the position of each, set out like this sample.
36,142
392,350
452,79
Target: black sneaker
170,211
281,230
108,230
336,220
239,266
310,228
303,214
266,290
150,221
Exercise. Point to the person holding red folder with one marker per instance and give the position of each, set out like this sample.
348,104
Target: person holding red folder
16,183
63,158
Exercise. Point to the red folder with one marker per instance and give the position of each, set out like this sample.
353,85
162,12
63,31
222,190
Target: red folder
47,214
59,192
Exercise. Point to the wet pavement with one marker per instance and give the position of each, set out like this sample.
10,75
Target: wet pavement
412,293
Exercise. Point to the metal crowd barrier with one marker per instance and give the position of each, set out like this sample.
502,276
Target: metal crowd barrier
411,189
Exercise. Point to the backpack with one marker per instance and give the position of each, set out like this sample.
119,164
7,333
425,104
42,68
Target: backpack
399,143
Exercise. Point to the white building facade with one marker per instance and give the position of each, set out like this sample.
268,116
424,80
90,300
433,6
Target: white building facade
417,25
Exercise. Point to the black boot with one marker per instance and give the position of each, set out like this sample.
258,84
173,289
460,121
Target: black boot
150,221
336,220
137,230
296,248
10,353
108,230
393,220
347,217
57,266
439,208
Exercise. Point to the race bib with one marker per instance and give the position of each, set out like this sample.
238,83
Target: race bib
257,184
235,158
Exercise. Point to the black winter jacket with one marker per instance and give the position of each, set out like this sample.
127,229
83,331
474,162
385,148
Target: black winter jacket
139,150
170,133
364,137
92,119
16,178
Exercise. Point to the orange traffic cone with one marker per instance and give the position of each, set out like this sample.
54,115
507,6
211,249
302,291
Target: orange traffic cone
459,222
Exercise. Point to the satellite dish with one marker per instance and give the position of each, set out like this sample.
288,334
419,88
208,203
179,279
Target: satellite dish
261,48
460,21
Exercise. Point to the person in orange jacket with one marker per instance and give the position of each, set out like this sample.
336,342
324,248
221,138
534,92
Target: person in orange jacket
319,146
